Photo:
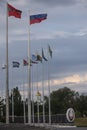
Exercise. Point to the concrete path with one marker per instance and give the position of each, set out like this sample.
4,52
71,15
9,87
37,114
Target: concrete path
27,127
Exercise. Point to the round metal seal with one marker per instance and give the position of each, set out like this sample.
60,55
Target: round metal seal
70,115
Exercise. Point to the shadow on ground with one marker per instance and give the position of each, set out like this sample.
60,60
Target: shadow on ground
19,127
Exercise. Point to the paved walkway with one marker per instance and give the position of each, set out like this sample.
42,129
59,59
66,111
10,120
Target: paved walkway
18,127
27,127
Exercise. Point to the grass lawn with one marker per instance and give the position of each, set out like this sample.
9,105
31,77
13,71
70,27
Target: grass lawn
82,122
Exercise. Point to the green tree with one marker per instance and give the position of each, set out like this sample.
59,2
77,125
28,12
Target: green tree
81,105
1,109
18,103
62,99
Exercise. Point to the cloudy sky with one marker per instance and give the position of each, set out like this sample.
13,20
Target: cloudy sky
65,30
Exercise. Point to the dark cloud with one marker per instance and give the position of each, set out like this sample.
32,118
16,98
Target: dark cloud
2,1
65,31
69,57
56,2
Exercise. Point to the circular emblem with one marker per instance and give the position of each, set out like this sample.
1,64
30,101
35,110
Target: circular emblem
70,114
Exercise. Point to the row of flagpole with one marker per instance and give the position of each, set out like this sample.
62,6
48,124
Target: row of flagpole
29,72
32,91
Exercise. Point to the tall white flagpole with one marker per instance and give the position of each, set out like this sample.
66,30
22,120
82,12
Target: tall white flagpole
37,97
29,78
43,93
49,91
24,100
7,70
12,105
12,98
24,105
32,97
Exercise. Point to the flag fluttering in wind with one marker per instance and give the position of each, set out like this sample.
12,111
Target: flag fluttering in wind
34,59
10,11
4,67
14,12
37,18
39,58
38,94
25,63
16,64
50,51
33,62
43,55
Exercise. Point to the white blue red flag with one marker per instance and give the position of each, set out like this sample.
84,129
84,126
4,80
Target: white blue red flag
37,18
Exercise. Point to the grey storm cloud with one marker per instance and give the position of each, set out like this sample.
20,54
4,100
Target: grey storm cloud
56,2
65,30
2,1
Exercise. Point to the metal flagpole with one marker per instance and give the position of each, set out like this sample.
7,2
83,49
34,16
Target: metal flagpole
29,78
24,112
49,98
32,97
49,92
24,106
7,70
37,97
43,93
12,98
12,105
24,100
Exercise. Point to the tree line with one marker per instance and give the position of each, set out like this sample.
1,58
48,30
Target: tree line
61,100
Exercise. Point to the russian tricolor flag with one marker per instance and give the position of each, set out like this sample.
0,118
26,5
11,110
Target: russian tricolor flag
37,18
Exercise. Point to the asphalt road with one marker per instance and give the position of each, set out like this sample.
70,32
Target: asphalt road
27,127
